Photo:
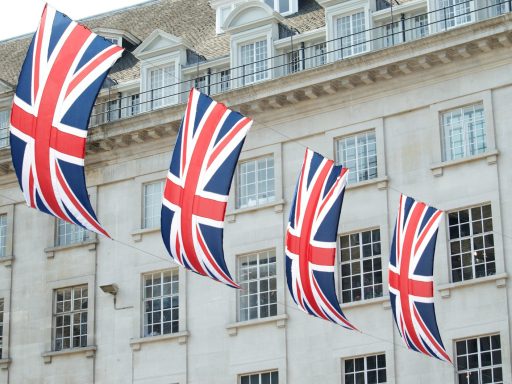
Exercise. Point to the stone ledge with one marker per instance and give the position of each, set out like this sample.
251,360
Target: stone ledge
381,182
7,261
280,321
89,352
363,303
277,205
138,233
500,280
182,338
491,157
90,244
4,363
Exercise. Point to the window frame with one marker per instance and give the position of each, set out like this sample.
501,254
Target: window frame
340,264
143,202
438,162
237,180
365,370
356,136
479,353
86,235
8,210
259,373
175,271
239,292
72,313
342,50
470,238
7,113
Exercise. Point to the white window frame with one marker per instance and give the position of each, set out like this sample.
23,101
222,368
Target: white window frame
2,327
144,222
366,370
155,63
4,128
245,38
360,264
353,177
243,295
238,178
470,238
479,354
455,19
78,234
345,9
272,381
8,212
175,283
438,162
72,312
293,6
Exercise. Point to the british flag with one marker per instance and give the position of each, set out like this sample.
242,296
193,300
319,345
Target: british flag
411,281
311,238
196,190
63,71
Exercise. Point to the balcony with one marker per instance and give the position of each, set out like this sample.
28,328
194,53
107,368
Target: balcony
300,58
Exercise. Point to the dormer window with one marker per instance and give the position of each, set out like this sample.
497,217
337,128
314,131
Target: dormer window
115,40
222,14
119,37
284,7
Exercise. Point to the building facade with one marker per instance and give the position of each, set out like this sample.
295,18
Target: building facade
412,97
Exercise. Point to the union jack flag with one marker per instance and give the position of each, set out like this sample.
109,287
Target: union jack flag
65,67
311,238
196,190
411,281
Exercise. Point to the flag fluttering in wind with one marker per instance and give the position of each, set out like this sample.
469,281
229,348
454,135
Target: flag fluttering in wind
209,142
411,281
311,238
63,71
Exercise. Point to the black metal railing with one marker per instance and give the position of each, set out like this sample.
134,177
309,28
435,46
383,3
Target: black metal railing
300,58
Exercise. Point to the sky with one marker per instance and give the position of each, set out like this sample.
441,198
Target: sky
18,17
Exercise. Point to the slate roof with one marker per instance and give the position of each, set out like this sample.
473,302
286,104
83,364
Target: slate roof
193,20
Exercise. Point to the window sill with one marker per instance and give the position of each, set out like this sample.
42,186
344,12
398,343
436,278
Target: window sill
6,261
138,233
382,183
88,351
90,244
4,363
491,157
277,205
280,321
384,300
500,280
182,338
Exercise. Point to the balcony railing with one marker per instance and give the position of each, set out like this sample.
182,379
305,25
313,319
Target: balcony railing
300,58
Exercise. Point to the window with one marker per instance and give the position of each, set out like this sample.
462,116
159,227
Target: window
4,128
161,82
254,61
350,32
392,34
420,26
152,204
361,266
471,243
70,318
224,80
463,132
359,154
1,326
68,233
283,6
114,110
293,60
498,7
3,235
320,54
200,83
161,303
255,182
270,377
133,105
258,294
479,360
365,370
455,12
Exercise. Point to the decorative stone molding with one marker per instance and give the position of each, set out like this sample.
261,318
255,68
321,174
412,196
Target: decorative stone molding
4,363
380,182
90,244
438,168
89,352
364,303
7,261
279,320
139,233
181,337
278,207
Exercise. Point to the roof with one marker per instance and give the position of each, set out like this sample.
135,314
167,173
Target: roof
193,20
